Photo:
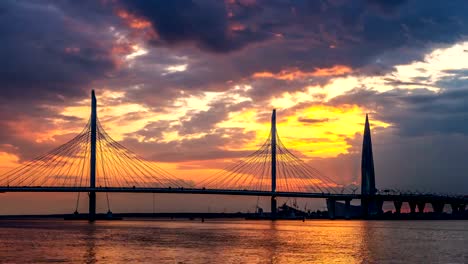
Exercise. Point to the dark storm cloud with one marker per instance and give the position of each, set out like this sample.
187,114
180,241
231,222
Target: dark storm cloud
386,6
49,59
360,35
203,22
355,30
370,36
45,60
301,34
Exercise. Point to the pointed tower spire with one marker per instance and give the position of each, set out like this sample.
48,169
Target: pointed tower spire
367,163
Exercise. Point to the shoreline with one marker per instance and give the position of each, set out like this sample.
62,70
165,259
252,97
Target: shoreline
241,216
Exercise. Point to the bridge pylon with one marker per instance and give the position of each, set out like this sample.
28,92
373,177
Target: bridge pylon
273,205
92,178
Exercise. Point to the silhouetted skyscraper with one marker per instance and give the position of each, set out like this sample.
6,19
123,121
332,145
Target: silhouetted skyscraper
368,202
367,163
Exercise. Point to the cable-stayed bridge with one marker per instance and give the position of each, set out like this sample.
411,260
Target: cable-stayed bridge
93,162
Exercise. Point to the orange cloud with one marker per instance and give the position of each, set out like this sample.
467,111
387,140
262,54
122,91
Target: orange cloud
8,161
119,51
295,73
333,71
133,21
122,49
237,27
141,28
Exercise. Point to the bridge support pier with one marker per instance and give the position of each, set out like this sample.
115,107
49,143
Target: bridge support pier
370,206
379,206
365,207
92,206
331,206
438,207
421,206
347,209
274,207
397,205
461,208
412,206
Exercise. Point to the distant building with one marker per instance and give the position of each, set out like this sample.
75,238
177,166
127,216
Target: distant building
340,210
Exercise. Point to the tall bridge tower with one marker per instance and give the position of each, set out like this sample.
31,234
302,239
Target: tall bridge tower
273,163
368,189
92,159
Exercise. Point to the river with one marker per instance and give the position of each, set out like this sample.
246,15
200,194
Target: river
233,241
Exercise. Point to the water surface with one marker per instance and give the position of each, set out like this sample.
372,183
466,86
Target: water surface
229,241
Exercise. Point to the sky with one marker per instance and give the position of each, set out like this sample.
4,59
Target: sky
190,84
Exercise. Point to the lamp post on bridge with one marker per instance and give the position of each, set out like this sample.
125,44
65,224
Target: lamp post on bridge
273,164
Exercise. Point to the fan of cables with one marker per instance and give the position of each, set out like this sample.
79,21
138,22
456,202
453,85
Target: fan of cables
69,166
254,173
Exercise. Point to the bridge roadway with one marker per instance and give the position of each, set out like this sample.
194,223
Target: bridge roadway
403,197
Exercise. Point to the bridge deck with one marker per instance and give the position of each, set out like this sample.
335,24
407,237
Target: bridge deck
338,197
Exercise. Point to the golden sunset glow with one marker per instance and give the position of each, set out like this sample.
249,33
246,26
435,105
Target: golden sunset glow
318,131
8,161
293,74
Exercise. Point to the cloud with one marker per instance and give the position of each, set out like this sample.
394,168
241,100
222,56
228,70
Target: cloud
295,74
42,65
300,43
203,22
204,121
414,113
49,61
206,147
312,120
